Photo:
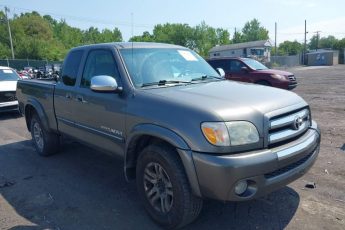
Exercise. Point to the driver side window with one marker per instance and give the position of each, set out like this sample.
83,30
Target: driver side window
99,62
236,66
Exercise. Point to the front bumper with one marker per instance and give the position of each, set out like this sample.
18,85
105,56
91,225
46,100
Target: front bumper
292,85
264,171
8,106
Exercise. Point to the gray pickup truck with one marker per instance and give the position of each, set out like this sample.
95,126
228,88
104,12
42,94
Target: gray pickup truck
184,132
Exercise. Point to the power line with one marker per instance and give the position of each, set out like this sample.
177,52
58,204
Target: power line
83,19
94,20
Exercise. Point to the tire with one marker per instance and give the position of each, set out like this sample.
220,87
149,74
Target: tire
266,83
46,143
160,175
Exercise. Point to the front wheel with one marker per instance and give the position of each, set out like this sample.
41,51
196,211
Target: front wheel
164,188
46,143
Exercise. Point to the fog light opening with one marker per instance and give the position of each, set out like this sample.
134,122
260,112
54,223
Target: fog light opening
241,187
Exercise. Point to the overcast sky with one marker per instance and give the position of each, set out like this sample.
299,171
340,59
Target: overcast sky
327,16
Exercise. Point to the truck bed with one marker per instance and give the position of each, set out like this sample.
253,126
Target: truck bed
40,93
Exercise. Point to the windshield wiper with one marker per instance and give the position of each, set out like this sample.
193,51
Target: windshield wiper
204,77
164,82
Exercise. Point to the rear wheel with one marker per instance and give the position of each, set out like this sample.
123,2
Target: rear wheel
46,143
164,188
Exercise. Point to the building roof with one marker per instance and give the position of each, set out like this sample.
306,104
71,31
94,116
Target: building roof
262,43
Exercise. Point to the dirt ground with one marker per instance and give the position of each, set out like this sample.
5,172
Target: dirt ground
84,189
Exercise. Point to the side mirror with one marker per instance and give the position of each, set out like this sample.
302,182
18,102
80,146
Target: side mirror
245,69
220,72
104,83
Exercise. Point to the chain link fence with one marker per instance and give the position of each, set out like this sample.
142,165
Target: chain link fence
19,64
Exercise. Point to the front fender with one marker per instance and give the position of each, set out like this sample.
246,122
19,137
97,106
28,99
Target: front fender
171,137
159,132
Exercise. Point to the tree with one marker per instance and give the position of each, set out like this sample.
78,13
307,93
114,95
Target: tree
328,42
340,44
237,38
290,48
176,33
253,31
200,38
313,44
32,36
205,38
146,37
5,50
223,36
111,36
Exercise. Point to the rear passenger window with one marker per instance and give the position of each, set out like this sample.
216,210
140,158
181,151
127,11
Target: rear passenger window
99,62
71,67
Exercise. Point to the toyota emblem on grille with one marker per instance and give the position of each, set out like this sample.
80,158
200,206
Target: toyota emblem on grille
297,123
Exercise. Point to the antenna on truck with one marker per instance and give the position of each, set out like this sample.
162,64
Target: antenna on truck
132,28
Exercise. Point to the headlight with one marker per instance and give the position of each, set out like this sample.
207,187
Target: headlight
242,132
278,76
230,133
216,133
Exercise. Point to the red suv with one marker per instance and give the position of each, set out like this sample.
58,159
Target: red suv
250,70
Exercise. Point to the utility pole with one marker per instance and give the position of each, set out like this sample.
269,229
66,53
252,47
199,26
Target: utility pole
317,39
275,39
9,30
235,36
305,42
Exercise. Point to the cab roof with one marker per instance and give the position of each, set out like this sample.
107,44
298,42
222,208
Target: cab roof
129,45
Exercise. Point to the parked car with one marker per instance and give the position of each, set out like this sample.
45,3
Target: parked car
23,75
250,70
30,71
169,115
8,86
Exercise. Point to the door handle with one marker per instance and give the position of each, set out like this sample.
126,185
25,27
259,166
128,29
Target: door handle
68,96
81,99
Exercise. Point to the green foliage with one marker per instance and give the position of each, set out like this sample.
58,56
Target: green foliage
146,37
340,44
42,37
238,37
290,48
200,38
223,36
312,45
253,31
329,42
178,34
5,50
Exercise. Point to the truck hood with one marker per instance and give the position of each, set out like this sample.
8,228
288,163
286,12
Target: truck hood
8,86
229,99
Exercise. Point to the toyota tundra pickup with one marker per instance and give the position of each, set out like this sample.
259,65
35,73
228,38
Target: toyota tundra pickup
170,116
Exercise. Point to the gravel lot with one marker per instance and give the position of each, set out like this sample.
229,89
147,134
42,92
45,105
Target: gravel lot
84,189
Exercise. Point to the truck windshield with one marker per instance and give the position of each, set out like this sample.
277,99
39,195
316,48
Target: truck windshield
254,64
147,66
8,75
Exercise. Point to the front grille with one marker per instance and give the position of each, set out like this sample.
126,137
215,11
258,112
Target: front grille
287,127
292,78
8,96
288,167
